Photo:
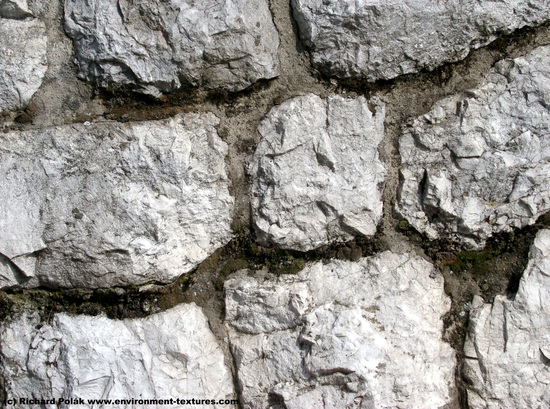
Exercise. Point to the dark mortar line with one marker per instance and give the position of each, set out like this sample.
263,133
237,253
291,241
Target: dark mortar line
183,100
242,252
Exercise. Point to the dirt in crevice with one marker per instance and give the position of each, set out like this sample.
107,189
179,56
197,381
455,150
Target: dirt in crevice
495,270
203,286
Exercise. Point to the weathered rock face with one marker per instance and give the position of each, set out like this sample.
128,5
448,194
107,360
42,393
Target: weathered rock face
381,40
14,9
317,175
109,204
478,163
158,46
507,350
168,355
23,63
342,334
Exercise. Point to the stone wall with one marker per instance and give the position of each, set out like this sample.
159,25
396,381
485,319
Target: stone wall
286,204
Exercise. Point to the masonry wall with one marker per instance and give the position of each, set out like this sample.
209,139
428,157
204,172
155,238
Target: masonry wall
146,168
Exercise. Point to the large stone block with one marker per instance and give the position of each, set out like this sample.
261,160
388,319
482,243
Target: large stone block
106,204
478,162
366,39
342,335
170,355
317,177
23,62
157,46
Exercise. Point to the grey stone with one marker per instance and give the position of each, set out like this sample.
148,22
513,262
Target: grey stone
106,204
172,354
507,360
14,9
317,178
363,39
23,62
157,46
342,335
478,162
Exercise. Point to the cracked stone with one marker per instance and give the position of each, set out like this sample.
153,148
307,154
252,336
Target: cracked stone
317,176
112,204
173,354
158,46
478,163
23,63
373,40
507,363
342,334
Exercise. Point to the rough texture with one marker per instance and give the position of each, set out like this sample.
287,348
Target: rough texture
507,350
342,334
365,39
158,46
23,63
478,163
99,205
168,355
14,9
317,176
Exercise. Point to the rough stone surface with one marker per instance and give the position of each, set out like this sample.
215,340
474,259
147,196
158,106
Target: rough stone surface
507,350
14,9
478,163
317,175
23,63
99,205
158,46
342,335
374,40
168,355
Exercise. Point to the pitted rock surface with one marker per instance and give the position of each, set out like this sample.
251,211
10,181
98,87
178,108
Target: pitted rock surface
365,39
23,62
172,354
507,349
106,204
157,46
317,177
478,163
342,334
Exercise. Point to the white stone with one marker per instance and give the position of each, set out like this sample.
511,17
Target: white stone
478,162
507,362
23,63
367,39
317,178
112,204
172,354
157,46
342,335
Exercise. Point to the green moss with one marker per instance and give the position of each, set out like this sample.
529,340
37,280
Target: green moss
477,261
233,265
403,225
290,266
